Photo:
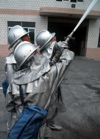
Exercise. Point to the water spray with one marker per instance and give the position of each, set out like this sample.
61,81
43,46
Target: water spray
81,20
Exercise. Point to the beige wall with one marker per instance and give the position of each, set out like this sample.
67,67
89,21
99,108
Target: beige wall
24,10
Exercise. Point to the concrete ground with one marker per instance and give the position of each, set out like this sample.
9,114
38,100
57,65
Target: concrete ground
3,118
81,94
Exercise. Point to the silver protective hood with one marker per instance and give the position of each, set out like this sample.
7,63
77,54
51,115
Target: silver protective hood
49,50
39,66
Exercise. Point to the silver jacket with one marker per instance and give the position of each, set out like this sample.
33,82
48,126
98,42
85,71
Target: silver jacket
40,66
10,64
9,67
49,50
39,83
57,99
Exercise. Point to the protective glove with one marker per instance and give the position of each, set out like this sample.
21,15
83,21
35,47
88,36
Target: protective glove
63,44
57,51
56,57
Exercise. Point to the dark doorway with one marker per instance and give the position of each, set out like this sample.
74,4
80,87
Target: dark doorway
63,27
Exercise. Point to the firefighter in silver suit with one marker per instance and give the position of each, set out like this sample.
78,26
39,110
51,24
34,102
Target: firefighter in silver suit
16,35
37,78
48,45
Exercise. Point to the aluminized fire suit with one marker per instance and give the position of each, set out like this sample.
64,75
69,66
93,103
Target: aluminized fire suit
9,71
39,82
57,104
15,35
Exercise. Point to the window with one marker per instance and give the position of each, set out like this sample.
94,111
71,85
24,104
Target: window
23,24
80,0
58,0
73,0
73,6
28,26
32,35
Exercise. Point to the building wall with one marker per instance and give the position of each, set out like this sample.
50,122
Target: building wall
93,33
11,10
92,39
36,4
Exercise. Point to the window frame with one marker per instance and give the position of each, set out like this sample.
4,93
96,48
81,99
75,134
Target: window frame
99,39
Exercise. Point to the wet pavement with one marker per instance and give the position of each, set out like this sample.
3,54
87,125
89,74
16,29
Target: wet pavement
81,95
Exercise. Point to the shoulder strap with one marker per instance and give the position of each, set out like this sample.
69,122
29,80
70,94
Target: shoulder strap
21,95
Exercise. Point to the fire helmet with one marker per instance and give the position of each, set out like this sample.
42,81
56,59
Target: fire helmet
43,38
15,33
23,52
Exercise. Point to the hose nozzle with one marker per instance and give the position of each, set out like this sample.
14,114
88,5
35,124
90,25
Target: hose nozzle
69,37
